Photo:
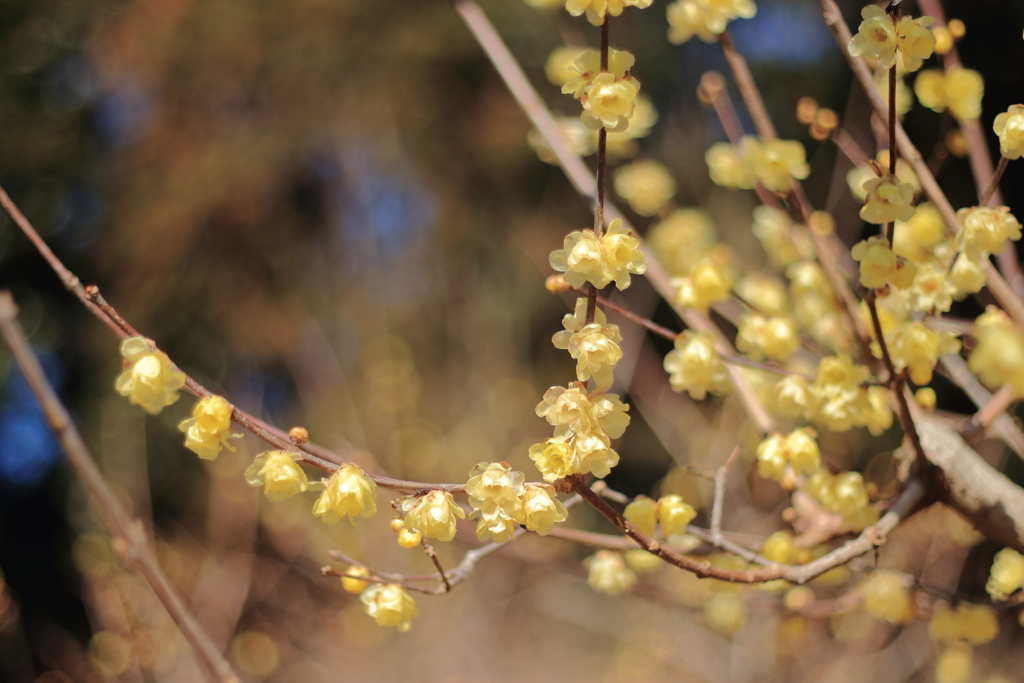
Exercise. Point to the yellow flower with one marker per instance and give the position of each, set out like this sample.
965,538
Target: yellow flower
878,413
984,231
777,234
555,458
916,43
706,285
149,379
682,239
278,473
582,260
917,348
727,168
622,253
674,514
793,397
353,582
496,526
878,264
887,200
954,664
797,449
998,357
917,239
775,338
389,605
959,90
560,67
607,573
646,185
775,162
926,398
349,492
597,9
209,428
1009,126
609,102
593,453
779,547
587,66
886,597
596,351
541,510
931,289
969,277
574,322
979,623
432,514
876,37
495,486
694,365
705,19
573,411
1006,575
642,513
766,293
837,390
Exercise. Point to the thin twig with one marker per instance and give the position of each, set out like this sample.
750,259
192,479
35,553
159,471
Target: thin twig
1003,425
995,407
990,192
129,537
432,554
721,476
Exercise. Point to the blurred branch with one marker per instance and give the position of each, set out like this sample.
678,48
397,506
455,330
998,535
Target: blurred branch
1003,426
130,540
721,476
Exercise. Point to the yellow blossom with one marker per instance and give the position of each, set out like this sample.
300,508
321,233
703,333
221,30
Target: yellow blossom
674,514
573,410
432,514
495,486
797,449
497,526
954,664
609,102
389,605
915,41
917,239
555,458
837,389
642,513
574,322
682,239
775,162
622,253
876,37
886,596
209,428
766,293
916,347
349,492
959,90
1006,574
607,573
596,350
560,67
727,168
278,473
646,185
409,539
594,454
708,284
998,357
587,67
705,19
149,379
926,398
969,277
887,200
541,510
694,365
878,412
931,289
597,9
979,623
779,547
1009,126
775,337
793,397
353,582
777,234
984,231
878,264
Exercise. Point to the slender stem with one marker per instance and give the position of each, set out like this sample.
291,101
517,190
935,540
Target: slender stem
889,229
999,402
721,476
990,192
748,89
130,540
602,170
432,554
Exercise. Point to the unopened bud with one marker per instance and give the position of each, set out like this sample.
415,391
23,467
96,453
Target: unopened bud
298,435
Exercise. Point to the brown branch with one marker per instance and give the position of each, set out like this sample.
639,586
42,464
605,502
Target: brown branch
130,541
996,406
993,186
432,554
1003,425
721,477
748,89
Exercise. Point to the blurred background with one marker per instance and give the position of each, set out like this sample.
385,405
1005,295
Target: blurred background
328,212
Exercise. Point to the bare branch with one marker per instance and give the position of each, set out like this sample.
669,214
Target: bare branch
130,540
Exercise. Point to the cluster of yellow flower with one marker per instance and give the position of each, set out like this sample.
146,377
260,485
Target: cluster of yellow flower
998,357
502,500
843,494
608,97
612,257
880,37
783,457
1006,574
149,379
598,10
960,630
706,19
836,397
887,596
671,511
772,163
